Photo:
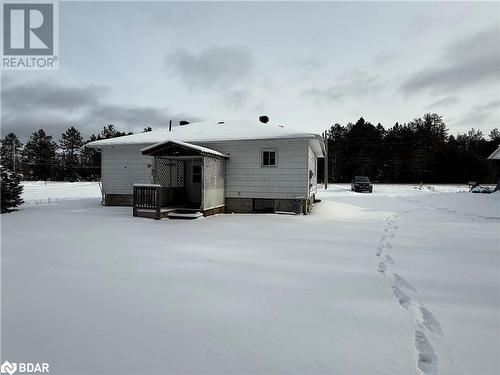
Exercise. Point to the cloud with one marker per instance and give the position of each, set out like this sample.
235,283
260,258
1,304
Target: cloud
444,102
482,114
29,106
131,118
47,94
357,85
384,57
307,64
464,63
215,68
236,99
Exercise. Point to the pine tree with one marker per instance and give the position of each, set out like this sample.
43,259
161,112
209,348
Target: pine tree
110,131
336,152
91,161
71,143
11,149
363,147
11,190
412,152
495,135
40,154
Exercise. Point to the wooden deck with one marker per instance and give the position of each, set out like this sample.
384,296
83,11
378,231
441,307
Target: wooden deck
147,200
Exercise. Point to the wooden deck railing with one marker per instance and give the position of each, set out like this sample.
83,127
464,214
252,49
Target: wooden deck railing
147,197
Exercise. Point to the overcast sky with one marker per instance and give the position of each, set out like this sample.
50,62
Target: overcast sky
306,65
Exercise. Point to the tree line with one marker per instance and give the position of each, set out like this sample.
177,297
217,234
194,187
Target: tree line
418,151
42,158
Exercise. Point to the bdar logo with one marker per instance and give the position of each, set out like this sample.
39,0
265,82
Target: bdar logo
8,368
28,29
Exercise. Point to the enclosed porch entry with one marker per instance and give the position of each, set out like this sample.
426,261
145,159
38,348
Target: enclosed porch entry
188,181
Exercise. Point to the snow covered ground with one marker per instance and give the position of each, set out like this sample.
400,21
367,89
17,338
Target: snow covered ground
400,281
40,192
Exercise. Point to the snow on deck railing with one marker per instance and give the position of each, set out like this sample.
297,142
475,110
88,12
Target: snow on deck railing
147,185
147,197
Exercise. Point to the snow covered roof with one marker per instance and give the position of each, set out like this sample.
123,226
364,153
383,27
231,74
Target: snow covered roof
495,155
209,131
202,150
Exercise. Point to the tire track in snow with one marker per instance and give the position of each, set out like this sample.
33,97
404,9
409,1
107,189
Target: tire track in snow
407,298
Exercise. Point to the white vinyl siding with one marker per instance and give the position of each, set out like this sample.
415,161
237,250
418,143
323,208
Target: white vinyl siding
123,166
246,178
312,166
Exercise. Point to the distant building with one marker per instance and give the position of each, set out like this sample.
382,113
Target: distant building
496,156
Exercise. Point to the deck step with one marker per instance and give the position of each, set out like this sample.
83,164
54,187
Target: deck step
184,214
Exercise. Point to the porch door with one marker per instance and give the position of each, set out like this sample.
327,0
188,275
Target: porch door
194,193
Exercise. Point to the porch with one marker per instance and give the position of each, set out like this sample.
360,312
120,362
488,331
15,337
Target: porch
188,182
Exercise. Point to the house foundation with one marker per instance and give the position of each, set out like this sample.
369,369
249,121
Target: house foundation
118,199
250,205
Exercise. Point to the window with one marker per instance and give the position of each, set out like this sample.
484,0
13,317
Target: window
268,158
263,205
196,174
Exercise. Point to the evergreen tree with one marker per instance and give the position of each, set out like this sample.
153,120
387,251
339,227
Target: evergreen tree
71,143
495,136
11,190
364,150
336,152
147,129
110,131
417,151
90,161
430,137
399,154
40,154
11,149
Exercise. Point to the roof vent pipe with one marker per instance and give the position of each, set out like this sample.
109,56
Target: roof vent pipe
264,119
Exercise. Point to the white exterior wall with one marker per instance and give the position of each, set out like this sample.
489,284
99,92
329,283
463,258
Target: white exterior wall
213,182
122,166
312,166
246,178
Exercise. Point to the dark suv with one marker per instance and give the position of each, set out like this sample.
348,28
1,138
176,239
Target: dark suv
361,183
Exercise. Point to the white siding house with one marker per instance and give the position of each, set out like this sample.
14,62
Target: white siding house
122,166
247,177
238,166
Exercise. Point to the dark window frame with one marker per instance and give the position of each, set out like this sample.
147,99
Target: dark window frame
196,176
263,205
269,158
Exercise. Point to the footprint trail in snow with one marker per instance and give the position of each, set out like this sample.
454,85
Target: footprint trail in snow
406,296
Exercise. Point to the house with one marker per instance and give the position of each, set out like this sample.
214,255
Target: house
496,156
227,166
